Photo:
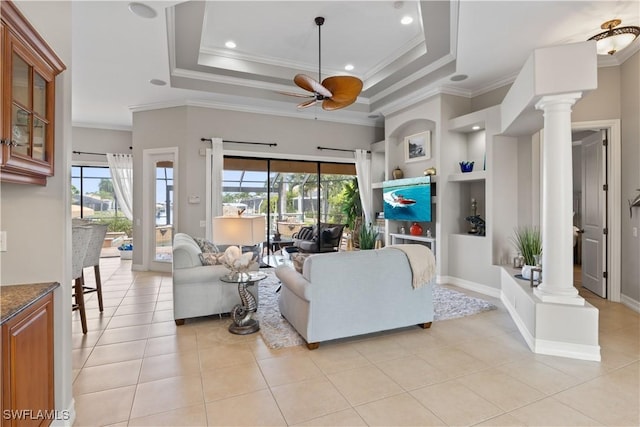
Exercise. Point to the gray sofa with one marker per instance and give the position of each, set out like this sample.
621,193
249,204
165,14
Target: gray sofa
197,289
344,294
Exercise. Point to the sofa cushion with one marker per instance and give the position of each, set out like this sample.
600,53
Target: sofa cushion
205,245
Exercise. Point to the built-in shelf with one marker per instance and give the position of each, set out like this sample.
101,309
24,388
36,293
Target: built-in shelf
398,238
465,235
468,176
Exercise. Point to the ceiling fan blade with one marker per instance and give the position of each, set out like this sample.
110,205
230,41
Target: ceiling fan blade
299,95
307,83
330,104
344,88
307,104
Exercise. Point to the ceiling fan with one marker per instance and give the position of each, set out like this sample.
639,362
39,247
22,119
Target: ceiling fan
335,92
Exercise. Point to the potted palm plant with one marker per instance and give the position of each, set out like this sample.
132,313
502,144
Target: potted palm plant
367,236
528,242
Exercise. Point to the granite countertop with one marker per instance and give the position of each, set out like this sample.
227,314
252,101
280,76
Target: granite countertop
15,298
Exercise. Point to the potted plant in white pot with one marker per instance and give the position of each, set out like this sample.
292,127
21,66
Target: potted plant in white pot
528,242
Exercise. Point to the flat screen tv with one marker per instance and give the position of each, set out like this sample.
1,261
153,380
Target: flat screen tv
407,199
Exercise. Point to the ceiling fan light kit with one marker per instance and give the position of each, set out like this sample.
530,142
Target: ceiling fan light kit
615,38
335,92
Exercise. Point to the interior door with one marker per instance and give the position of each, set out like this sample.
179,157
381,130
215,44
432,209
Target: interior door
594,213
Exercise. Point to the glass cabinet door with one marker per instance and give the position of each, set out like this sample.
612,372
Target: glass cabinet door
27,76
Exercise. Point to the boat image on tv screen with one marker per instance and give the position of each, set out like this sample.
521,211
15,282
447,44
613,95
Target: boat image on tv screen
407,199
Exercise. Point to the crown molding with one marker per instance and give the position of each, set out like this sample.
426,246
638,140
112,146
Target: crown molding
267,110
495,85
102,126
444,60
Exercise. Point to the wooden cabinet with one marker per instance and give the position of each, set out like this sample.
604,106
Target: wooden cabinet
27,90
27,365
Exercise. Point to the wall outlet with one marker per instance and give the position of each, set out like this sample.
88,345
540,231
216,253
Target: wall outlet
3,241
635,231
203,223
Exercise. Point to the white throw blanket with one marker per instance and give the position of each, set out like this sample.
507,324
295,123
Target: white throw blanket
421,261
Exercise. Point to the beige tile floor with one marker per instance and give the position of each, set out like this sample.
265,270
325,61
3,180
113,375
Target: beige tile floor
135,367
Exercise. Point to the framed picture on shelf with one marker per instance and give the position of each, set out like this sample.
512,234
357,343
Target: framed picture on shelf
417,147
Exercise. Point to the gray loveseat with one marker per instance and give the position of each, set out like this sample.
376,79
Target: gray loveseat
344,294
197,289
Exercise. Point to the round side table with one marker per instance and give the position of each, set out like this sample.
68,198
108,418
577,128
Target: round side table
243,324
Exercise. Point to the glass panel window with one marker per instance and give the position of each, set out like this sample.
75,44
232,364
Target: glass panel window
93,199
39,132
164,211
20,81
20,131
39,95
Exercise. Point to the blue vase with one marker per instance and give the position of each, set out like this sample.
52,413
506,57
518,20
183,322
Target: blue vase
466,166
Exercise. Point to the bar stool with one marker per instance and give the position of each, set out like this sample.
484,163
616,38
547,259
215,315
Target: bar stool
80,237
92,259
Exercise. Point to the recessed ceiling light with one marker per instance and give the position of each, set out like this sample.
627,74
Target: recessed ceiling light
476,127
406,20
348,67
157,82
230,44
459,77
142,10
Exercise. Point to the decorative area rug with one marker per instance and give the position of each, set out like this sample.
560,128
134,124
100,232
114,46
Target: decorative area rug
278,333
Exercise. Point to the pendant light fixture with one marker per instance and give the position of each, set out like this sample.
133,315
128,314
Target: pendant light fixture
614,39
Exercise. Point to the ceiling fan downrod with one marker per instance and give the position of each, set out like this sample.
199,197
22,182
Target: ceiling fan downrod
319,20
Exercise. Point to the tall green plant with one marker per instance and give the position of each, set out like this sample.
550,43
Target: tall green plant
351,205
367,236
528,242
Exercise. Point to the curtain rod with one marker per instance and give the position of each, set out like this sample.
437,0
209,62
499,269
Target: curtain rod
92,153
270,144
88,152
338,149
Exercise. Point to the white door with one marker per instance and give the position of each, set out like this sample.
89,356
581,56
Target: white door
594,242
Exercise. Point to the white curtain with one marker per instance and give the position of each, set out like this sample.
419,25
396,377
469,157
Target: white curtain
215,166
363,173
121,167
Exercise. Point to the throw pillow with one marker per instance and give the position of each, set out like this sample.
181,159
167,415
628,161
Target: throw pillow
298,260
210,258
205,245
330,234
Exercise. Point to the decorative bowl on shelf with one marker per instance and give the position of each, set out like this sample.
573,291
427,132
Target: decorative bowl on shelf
466,166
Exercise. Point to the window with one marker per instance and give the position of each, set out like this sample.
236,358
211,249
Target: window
93,198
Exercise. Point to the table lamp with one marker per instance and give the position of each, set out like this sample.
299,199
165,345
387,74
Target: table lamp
241,230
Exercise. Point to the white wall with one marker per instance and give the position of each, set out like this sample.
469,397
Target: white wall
38,219
91,140
617,97
630,123
183,127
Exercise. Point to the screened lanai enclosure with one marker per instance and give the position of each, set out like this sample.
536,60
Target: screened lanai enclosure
290,193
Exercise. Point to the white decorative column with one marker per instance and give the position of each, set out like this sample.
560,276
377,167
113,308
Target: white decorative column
557,201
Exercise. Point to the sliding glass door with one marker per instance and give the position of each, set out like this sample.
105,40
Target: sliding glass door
291,193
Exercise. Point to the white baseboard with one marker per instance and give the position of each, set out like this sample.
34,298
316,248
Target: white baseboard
138,267
563,349
526,334
630,302
472,286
